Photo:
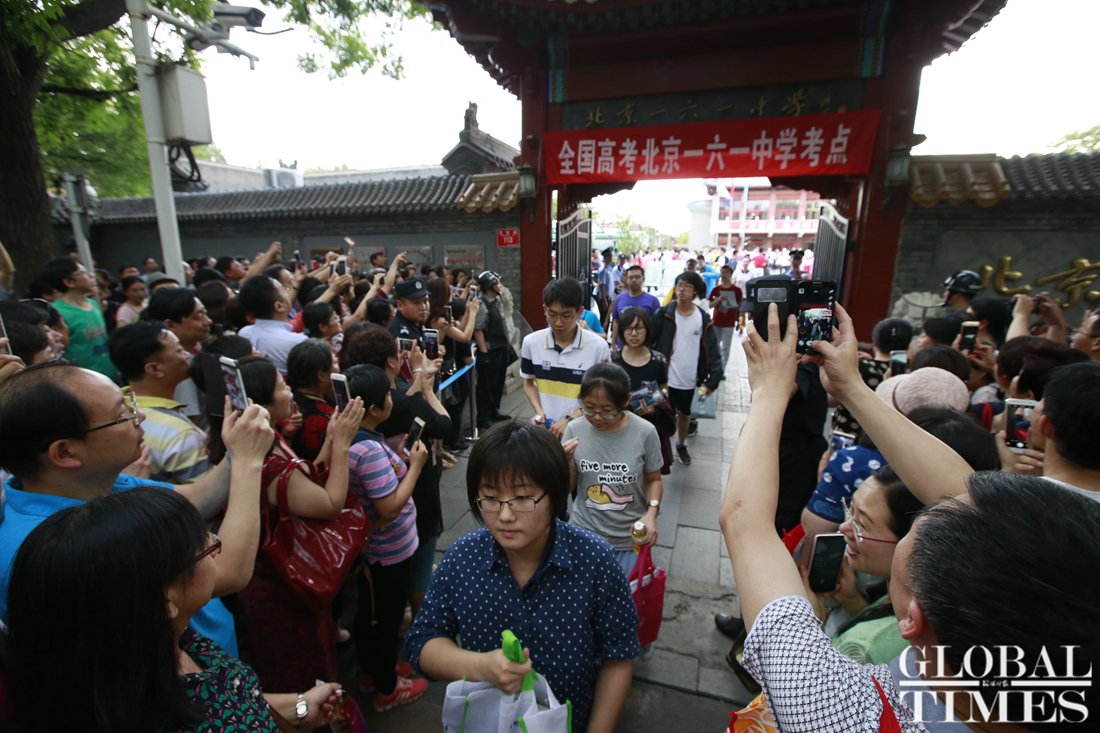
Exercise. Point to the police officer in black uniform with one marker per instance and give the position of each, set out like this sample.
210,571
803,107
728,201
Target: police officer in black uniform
492,350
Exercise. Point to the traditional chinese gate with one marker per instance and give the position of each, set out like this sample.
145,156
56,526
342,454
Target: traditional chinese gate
574,256
817,96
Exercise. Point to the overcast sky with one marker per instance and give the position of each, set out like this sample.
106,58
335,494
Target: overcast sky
1017,86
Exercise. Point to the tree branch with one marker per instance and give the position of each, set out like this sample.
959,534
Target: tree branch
100,95
90,16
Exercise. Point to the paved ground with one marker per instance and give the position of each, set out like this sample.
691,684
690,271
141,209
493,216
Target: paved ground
686,684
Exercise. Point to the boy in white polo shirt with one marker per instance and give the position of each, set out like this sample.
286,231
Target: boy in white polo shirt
554,360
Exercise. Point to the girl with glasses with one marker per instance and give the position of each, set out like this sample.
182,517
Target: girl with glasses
557,587
615,466
648,371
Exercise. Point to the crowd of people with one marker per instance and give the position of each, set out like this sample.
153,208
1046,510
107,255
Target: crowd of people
143,504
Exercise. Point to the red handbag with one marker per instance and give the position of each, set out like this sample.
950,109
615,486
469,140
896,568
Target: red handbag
647,586
313,556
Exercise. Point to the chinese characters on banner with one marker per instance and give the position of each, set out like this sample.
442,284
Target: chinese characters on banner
507,237
827,144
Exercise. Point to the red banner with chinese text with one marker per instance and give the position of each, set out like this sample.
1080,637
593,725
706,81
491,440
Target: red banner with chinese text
807,145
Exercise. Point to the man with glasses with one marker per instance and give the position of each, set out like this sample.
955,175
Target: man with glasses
66,436
682,331
634,297
554,360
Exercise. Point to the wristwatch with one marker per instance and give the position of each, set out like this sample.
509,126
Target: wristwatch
301,709
655,504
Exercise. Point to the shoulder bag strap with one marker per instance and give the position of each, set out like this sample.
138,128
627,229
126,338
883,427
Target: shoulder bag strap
888,721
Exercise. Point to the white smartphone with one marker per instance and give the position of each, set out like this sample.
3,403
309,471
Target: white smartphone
234,383
1017,419
414,434
340,391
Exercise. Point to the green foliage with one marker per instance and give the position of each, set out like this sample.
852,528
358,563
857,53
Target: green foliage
1084,141
635,237
683,238
104,137
103,133
209,152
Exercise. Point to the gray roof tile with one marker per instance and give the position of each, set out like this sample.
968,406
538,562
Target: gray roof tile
395,196
1054,176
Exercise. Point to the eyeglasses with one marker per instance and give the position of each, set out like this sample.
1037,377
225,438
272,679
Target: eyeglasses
214,548
131,407
605,416
857,528
519,504
635,329
561,317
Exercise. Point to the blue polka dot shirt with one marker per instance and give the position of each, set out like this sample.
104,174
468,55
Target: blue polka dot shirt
575,612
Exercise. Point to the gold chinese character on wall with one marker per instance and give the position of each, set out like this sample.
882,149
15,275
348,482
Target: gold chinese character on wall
1074,282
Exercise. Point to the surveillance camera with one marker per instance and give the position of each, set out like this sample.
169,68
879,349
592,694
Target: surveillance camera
236,15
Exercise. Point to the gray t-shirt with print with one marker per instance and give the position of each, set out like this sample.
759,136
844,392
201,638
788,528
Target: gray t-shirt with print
611,471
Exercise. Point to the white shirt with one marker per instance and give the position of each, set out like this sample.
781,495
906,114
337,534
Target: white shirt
683,366
274,338
558,372
741,278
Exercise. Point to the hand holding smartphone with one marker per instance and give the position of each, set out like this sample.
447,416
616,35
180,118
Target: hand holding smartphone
431,343
968,335
826,555
1018,415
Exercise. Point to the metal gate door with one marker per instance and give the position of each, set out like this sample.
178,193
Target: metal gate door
830,246
574,253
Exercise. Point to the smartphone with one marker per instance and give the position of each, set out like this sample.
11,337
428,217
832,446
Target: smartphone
968,337
340,391
405,345
815,301
342,265
764,292
840,440
472,295
826,555
431,343
1017,420
6,349
899,362
448,314
414,434
234,384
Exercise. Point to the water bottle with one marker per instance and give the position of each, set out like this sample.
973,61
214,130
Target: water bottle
638,533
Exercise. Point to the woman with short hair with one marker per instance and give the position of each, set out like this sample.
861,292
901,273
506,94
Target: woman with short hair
556,586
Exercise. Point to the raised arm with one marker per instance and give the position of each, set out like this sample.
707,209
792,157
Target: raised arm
930,469
762,566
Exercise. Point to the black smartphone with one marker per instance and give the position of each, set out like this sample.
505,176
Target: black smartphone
5,349
1017,420
840,440
415,430
968,336
448,314
431,343
815,300
764,292
899,362
341,265
234,384
825,559
340,391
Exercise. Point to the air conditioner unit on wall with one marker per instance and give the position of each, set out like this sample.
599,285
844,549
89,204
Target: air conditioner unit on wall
284,178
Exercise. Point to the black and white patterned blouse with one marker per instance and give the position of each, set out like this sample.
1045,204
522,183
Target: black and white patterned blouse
809,685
